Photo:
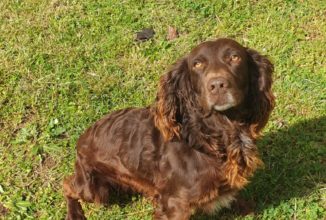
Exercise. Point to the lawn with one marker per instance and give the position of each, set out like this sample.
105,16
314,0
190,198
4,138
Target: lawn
66,63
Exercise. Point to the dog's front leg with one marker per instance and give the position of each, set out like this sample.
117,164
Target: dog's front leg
172,208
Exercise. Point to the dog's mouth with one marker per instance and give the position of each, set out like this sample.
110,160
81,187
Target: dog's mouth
223,103
223,107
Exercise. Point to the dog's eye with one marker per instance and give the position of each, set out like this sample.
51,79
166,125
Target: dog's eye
198,64
234,58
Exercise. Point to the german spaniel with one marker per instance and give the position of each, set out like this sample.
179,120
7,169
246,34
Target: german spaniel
193,148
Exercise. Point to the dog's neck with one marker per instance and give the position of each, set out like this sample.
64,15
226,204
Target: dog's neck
214,133
229,143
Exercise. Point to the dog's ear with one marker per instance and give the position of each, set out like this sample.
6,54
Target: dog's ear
168,106
262,100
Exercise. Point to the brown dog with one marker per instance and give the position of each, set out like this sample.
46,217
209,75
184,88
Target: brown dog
194,148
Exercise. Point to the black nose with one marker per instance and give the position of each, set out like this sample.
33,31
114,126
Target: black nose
216,85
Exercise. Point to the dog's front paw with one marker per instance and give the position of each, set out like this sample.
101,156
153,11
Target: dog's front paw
77,215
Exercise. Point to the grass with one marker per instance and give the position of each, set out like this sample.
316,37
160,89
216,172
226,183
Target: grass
64,64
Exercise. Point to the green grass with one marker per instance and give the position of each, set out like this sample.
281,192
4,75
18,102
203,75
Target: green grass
64,64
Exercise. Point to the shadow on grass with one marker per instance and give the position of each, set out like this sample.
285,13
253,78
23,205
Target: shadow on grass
122,197
294,160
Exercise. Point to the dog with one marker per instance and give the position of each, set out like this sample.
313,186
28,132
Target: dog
193,148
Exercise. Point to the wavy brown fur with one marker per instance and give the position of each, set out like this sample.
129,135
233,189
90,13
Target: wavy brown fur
262,98
181,152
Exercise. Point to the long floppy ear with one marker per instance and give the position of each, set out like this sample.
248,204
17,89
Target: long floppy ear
168,106
262,100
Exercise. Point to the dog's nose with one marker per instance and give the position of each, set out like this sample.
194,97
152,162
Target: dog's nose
216,85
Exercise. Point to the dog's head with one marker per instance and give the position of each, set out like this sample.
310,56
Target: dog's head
216,77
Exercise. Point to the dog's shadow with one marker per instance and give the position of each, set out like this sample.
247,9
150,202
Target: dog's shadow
294,158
